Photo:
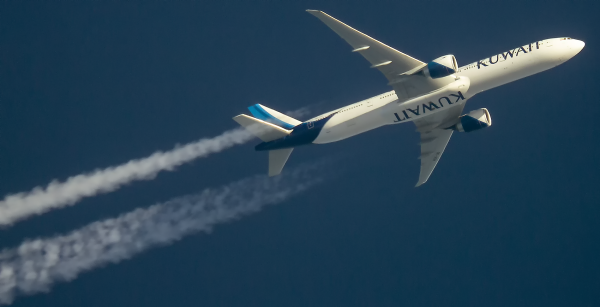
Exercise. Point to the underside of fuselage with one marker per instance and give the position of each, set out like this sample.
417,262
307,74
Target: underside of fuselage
303,134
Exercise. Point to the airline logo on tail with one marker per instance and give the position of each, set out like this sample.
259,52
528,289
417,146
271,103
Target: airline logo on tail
271,116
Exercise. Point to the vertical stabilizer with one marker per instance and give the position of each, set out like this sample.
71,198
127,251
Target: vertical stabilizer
261,129
269,115
277,159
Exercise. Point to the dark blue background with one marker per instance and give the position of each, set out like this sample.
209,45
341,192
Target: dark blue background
509,217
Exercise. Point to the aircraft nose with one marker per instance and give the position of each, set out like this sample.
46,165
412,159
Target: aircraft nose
571,48
576,45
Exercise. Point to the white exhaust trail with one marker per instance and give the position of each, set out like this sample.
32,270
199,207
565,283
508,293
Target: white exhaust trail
36,265
57,194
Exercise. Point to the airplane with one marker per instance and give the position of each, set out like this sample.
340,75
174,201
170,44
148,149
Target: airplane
431,95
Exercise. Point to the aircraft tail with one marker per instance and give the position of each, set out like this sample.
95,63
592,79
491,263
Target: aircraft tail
261,129
267,132
269,115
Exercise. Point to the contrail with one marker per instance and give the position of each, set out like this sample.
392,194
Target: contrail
36,265
58,194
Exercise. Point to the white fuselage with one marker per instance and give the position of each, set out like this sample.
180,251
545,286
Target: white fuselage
384,109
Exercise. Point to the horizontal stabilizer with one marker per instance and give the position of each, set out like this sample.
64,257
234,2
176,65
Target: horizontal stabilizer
269,115
277,159
265,131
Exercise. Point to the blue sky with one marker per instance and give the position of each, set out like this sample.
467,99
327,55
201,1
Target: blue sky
509,217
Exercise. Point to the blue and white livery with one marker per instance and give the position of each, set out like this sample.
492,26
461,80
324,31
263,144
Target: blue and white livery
431,95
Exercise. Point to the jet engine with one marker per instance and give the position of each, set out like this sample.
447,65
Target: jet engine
474,120
441,67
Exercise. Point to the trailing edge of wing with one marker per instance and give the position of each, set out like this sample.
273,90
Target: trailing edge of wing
388,60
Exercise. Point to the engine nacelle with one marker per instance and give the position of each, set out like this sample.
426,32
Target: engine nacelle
441,67
474,120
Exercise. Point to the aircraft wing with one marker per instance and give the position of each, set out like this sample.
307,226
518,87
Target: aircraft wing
434,138
398,68
388,60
